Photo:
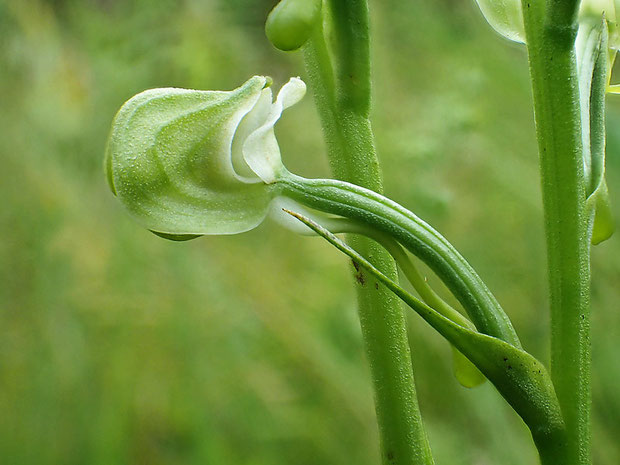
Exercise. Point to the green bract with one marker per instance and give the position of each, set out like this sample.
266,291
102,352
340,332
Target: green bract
189,162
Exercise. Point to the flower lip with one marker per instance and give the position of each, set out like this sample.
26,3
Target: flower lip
255,150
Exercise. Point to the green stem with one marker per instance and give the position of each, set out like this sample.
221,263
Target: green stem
551,36
343,98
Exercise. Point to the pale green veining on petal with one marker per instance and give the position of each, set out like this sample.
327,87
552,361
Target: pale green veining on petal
250,123
169,161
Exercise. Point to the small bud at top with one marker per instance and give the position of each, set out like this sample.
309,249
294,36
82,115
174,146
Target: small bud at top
290,23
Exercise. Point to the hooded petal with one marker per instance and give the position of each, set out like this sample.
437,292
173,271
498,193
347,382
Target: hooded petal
250,123
260,150
169,161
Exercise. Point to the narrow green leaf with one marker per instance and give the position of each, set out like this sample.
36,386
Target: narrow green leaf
368,207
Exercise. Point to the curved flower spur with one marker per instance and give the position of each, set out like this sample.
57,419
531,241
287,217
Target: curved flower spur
187,163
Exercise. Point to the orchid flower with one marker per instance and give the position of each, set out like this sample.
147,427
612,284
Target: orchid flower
188,162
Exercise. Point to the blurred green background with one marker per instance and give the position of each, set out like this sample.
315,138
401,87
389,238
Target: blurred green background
118,347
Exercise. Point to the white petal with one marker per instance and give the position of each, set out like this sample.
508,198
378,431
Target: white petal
291,93
260,150
250,123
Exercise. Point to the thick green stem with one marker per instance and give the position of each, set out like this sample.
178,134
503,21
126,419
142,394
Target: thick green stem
343,100
550,36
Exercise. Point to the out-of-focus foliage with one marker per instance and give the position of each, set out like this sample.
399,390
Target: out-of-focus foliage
119,347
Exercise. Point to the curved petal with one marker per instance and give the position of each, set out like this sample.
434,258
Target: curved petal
250,123
260,150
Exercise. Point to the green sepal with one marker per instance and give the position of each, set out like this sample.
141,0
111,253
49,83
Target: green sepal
290,23
169,161
519,377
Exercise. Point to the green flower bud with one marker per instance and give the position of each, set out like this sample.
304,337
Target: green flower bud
188,162
290,23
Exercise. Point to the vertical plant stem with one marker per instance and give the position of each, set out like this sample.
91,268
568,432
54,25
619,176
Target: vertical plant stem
343,100
551,30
